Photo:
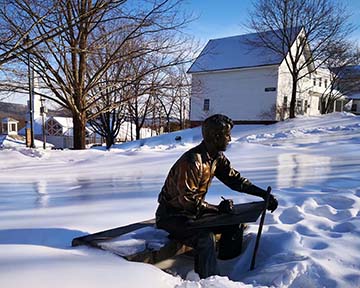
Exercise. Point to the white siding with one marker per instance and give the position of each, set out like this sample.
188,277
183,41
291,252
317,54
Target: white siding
284,89
239,94
307,94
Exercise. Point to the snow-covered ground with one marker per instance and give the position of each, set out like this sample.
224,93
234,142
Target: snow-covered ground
311,240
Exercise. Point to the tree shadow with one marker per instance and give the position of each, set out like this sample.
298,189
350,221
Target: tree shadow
51,237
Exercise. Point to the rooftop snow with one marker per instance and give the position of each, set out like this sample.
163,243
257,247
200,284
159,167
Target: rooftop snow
237,52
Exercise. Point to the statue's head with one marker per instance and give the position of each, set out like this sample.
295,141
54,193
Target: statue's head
216,131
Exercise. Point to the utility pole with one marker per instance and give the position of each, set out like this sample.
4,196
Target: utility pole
31,101
43,114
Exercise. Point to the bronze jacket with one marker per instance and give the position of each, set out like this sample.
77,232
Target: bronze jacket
188,180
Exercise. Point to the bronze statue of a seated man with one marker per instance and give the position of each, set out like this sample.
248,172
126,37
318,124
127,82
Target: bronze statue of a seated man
182,198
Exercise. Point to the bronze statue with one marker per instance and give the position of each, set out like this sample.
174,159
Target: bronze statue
182,198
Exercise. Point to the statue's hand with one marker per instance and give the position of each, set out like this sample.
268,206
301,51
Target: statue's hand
226,205
273,203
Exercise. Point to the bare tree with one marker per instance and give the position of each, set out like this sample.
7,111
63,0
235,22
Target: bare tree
19,20
63,61
341,56
141,95
183,92
136,80
319,23
108,113
106,118
174,96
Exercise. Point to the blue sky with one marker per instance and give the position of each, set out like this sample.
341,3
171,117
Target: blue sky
224,18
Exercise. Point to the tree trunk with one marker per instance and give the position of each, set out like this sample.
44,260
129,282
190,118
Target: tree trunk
79,122
109,141
322,106
293,98
138,128
329,106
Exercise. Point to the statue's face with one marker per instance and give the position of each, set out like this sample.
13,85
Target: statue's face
222,140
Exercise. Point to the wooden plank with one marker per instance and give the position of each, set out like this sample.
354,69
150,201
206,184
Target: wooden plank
110,234
172,248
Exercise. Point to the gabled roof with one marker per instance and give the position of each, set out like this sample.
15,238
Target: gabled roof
348,72
8,119
355,96
237,52
65,122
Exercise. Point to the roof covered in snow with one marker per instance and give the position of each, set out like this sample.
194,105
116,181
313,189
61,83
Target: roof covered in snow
348,72
238,52
355,96
8,119
65,122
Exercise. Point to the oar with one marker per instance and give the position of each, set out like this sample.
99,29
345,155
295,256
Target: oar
260,228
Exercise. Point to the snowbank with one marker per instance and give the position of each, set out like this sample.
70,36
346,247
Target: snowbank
312,239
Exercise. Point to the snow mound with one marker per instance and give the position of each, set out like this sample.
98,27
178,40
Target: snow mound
147,238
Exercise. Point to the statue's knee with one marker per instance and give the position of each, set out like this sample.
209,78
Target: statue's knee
206,239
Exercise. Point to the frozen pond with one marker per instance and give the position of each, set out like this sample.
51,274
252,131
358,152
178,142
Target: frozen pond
49,193
284,170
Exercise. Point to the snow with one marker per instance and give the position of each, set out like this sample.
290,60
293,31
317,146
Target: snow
137,241
18,142
47,198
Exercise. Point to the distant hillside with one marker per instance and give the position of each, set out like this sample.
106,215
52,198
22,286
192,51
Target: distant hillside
16,111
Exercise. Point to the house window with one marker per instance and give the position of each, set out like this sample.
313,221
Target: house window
12,127
326,83
353,107
299,106
285,101
4,128
206,105
320,82
305,106
314,81
339,106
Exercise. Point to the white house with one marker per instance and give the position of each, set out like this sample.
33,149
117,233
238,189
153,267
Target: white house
247,83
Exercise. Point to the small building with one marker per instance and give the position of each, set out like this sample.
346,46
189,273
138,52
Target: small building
349,84
9,126
58,131
355,103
